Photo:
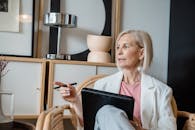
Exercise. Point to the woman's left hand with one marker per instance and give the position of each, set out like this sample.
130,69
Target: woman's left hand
136,124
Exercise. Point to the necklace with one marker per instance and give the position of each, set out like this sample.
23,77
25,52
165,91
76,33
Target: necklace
137,79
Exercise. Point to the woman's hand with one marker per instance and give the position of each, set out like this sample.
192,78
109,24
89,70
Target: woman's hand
136,124
68,93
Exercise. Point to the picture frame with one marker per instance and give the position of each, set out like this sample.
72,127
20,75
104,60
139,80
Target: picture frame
9,11
47,39
21,41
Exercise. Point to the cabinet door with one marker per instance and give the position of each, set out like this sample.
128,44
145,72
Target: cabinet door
106,70
69,73
25,79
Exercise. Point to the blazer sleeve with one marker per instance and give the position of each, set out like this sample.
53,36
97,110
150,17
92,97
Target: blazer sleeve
166,120
98,85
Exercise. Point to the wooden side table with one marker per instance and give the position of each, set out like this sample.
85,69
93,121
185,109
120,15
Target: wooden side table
17,125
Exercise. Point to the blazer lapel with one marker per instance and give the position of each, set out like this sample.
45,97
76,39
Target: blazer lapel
147,101
115,83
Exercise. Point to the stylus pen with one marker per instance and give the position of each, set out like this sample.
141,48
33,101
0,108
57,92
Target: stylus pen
64,85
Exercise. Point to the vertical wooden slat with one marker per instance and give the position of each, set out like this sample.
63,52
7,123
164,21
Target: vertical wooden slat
42,88
116,24
117,18
50,85
39,41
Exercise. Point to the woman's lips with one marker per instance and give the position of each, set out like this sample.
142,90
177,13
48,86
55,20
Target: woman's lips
121,59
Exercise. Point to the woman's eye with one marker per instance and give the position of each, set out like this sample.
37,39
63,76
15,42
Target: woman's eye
126,46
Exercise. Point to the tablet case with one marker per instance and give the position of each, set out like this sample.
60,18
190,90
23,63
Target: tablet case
93,100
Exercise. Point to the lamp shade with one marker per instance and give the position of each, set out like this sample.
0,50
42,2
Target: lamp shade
60,20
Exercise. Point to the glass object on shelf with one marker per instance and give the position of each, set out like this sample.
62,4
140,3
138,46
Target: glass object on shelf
6,108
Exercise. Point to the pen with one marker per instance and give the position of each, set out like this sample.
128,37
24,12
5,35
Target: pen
64,85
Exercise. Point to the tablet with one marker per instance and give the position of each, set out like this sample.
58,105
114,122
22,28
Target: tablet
93,100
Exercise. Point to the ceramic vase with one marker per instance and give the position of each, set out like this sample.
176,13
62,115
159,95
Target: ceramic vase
99,47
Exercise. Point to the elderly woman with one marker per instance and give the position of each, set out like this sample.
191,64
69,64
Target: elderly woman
152,108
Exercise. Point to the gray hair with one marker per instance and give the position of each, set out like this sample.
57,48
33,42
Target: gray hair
143,40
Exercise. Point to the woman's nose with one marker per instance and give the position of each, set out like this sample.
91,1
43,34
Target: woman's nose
119,51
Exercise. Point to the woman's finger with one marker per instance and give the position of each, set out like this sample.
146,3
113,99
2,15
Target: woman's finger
58,83
66,94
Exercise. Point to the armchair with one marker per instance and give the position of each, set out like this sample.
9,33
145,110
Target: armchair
54,116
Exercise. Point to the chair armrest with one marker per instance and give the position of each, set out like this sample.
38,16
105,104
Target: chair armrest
41,118
183,114
74,117
190,122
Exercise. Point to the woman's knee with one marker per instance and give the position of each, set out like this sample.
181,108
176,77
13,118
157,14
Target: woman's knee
106,109
112,115
109,110
104,112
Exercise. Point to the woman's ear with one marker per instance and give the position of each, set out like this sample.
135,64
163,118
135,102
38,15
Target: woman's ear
141,54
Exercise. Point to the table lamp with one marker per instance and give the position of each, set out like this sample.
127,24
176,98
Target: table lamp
59,20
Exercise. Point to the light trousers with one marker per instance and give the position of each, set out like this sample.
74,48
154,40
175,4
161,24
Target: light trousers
111,118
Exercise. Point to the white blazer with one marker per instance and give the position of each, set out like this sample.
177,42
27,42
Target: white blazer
156,110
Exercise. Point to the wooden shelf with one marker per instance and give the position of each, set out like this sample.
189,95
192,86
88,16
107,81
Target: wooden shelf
82,63
27,59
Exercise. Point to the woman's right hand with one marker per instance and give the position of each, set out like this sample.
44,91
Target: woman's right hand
68,93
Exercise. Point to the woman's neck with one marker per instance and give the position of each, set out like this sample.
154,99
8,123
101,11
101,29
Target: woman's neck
131,76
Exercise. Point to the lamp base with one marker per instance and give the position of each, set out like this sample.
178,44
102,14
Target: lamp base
54,56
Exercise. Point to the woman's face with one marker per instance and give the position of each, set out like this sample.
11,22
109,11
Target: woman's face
128,53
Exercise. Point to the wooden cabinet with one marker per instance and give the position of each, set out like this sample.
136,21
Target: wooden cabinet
25,78
72,71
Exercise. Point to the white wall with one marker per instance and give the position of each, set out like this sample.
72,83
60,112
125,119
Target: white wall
153,17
